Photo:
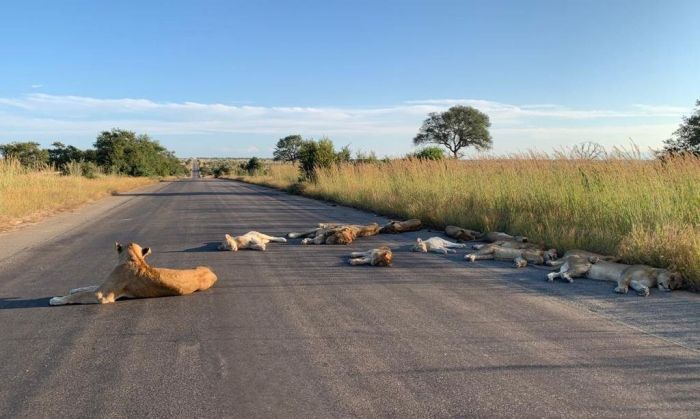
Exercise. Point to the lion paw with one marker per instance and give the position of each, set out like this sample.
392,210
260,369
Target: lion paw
621,290
57,301
643,292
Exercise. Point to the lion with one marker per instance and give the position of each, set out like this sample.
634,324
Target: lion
510,244
336,233
462,234
251,240
520,257
381,256
134,278
638,277
581,253
394,227
495,236
436,245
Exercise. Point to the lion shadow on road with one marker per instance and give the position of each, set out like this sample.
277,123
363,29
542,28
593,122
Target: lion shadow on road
16,302
206,247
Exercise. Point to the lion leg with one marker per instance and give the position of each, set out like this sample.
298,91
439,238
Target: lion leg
80,297
553,275
303,233
519,262
641,289
257,246
473,257
91,288
555,263
277,239
440,250
359,254
360,261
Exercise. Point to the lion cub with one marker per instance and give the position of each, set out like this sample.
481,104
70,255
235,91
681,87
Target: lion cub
134,278
250,240
381,256
436,245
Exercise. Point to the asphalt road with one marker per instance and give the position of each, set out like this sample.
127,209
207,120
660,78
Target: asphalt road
297,332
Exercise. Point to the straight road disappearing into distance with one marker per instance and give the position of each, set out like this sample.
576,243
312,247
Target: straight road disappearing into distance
297,332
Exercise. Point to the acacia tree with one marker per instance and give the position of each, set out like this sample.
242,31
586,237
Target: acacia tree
28,153
288,148
456,128
686,139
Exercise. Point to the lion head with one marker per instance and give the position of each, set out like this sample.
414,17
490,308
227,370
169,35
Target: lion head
384,257
420,246
132,252
229,244
667,280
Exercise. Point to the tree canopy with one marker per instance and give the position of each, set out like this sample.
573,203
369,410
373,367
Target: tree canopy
456,128
28,153
288,148
686,139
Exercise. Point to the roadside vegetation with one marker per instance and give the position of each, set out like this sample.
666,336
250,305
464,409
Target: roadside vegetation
35,182
620,202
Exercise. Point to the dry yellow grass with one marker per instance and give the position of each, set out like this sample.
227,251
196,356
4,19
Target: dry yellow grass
27,196
645,211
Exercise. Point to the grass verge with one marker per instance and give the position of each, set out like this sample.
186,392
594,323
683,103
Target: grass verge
645,211
29,195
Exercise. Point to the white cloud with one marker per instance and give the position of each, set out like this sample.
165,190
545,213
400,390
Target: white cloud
386,129
36,86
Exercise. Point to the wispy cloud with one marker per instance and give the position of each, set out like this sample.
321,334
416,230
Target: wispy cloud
36,86
40,115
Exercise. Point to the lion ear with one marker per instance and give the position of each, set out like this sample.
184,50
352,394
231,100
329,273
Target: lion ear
145,251
118,247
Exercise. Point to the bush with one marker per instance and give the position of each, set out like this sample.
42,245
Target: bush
429,153
254,166
314,155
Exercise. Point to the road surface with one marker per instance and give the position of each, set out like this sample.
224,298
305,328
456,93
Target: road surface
297,332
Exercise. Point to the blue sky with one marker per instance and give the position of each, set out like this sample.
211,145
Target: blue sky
229,78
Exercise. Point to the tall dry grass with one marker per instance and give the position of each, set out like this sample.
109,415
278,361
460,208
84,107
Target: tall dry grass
645,211
28,195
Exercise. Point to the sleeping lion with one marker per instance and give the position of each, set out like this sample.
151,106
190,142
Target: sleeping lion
436,245
381,256
251,240
638,277
520,257
134,278
393,227
462,234
336,233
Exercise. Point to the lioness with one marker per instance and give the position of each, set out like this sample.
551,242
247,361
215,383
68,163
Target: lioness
581,253
336,233
381,256
520,257
250,240
436,245
462,234
495,236
134,278
413,224
510,244
638,277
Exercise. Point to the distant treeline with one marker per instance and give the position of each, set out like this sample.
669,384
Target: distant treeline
115,152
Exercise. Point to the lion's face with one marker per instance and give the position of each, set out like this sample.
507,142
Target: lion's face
131,252
550,254
384,258
344,236
420,246
668,281
228,244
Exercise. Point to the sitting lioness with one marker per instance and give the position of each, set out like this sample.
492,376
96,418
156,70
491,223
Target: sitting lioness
134,278
336,233
520,257
381,256
638,277
436,245
462,234
250,240
413,224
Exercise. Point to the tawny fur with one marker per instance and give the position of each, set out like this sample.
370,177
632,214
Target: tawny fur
134,278
436,245
510,244
638,277
520,257
381,256
462,234
336,233
393,227
251,240
495,236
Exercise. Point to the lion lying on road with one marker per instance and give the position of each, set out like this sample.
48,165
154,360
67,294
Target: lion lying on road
251,240
336,233
413,224
436,245
134,278
462,234
496,236
381,256
520,257
638,277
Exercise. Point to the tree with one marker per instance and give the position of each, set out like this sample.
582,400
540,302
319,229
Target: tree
458,127
314,155
62,154
28,153
253,166
343,156
288,148
124,152
686,139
